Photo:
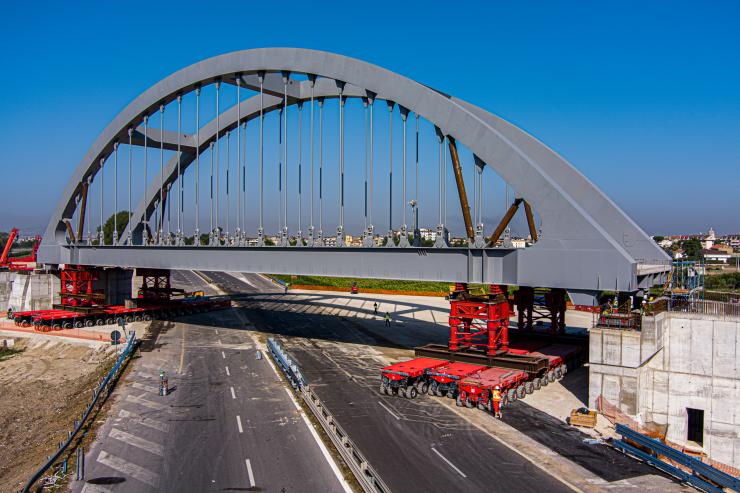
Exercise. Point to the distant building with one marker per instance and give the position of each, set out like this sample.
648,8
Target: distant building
708,241
716,256
428,234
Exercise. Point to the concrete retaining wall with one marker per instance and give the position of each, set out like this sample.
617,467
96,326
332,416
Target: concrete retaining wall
680,361
6,286
34,291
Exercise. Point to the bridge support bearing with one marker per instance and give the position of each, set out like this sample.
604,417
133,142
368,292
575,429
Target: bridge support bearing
390,240
340,240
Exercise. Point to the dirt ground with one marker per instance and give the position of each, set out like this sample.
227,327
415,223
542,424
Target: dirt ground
42,390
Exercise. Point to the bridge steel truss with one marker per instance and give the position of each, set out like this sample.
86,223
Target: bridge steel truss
585,243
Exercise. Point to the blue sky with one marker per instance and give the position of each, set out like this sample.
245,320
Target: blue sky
642,97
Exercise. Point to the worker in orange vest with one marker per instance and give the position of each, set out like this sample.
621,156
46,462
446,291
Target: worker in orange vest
496,398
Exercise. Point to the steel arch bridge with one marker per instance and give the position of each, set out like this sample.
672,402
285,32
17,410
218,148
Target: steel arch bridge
584,242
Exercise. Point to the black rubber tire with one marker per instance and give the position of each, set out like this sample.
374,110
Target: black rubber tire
521,392
558,373
551,376
137,318
511,394
382,389
458,401
468,403
56,326
89,323
537,383
424,388
67,325
564,369
147,318
480,405
529,387
128,319
99,322
544,381
78,324
411,392
109,321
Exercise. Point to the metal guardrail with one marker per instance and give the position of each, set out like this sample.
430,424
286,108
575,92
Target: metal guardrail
360,467
109,378
658,448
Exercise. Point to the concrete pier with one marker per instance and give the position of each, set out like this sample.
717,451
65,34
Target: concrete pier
679,365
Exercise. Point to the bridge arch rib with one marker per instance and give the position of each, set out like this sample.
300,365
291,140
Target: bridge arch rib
578,220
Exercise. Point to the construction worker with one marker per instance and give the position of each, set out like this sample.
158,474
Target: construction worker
375,306
387,319
496,399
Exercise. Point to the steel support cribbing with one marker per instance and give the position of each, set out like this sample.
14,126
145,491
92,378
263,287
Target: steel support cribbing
461,188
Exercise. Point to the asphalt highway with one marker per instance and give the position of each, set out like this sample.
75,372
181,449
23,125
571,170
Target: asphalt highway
416,446
228,423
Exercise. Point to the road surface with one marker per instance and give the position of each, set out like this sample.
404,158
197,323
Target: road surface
228,424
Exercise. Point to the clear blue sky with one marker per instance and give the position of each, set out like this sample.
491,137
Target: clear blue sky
642,97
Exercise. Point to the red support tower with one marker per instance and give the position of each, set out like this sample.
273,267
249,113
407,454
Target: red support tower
77,287
479,321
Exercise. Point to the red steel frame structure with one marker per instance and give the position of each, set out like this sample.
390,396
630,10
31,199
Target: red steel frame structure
479,321
77,287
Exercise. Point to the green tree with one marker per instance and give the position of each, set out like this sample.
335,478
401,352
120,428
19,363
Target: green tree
121,220
692,249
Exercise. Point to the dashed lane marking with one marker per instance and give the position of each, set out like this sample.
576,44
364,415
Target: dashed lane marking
448,462
223,355
134,441
228,373
239,423
388,409
233,395
249,472
128,468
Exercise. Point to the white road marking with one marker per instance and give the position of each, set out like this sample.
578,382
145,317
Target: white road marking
128,468
223,355
134,441
146,403
448,462
220,343
148,388
239,423
228,373
249,471
151,423
388,409
233,395
216,331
